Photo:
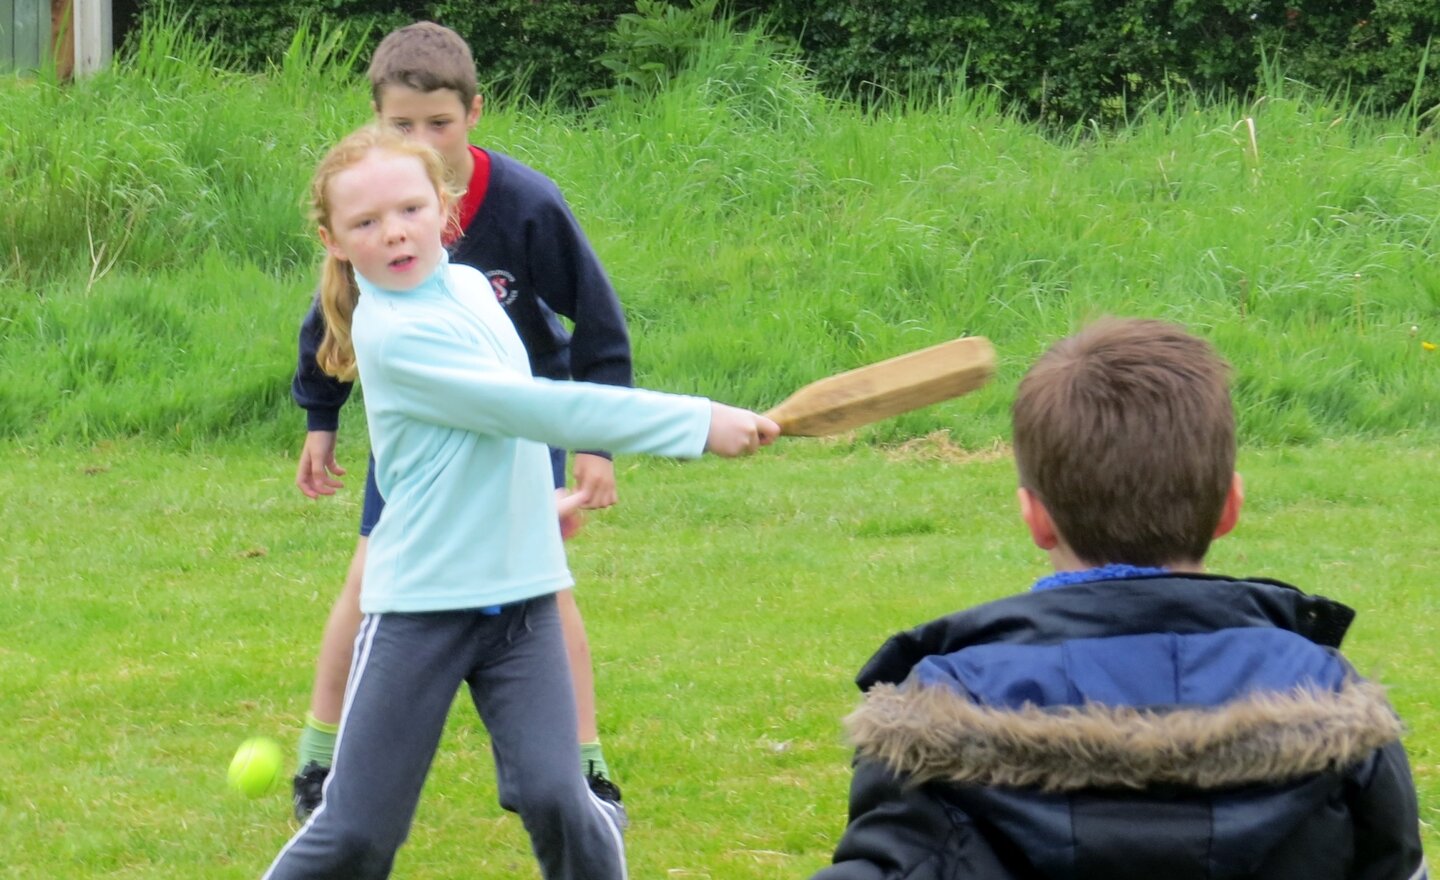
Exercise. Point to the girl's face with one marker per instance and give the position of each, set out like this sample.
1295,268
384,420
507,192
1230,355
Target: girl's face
385,220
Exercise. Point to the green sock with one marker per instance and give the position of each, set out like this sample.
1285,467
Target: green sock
317,742
592,760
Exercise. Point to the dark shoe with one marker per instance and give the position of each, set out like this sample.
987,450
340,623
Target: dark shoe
308,789
609,795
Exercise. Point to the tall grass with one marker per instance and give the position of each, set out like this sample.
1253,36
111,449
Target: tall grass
156,261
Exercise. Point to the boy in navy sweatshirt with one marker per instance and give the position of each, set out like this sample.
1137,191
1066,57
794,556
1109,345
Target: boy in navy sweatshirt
515,226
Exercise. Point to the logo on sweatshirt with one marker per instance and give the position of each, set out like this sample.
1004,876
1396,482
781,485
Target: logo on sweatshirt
503,283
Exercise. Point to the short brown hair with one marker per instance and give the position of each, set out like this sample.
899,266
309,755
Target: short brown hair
1125,431
423,56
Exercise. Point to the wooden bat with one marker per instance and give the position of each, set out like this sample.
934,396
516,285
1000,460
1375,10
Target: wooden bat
887,388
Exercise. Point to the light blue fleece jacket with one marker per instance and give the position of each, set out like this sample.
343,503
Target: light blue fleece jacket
460,428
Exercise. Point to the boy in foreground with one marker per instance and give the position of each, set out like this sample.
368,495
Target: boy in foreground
514,225
1130,716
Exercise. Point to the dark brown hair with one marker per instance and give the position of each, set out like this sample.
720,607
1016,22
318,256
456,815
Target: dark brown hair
423,56
1125,431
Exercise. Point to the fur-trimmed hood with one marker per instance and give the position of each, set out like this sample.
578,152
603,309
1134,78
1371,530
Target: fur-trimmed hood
1173,726
933,733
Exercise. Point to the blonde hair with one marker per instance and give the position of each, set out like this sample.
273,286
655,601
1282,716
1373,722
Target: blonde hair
339,293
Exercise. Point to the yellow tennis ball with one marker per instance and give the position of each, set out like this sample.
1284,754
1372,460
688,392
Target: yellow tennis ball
255,769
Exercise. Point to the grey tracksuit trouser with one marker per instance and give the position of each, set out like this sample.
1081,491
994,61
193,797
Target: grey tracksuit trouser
403,678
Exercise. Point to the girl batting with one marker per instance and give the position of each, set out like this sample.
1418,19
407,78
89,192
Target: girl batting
460,578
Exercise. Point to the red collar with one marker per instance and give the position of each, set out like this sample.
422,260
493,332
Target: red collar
474,193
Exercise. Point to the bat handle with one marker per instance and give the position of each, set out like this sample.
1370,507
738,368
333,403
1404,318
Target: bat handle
777,415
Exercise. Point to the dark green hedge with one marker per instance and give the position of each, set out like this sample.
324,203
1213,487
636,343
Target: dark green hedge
251,33
1075,59
1058,60
541,47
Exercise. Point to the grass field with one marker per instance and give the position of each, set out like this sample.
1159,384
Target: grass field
153,269
165,584
162,606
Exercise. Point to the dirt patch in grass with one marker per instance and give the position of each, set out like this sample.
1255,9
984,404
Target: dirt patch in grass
939,446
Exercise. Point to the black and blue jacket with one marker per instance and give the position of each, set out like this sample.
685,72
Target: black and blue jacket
1170,726
540,265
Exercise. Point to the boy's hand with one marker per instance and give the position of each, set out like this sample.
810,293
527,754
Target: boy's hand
317,464
595,476
735,432
569,507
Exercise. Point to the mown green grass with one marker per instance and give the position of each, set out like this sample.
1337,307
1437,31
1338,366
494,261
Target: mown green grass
156,258
161,606
165,584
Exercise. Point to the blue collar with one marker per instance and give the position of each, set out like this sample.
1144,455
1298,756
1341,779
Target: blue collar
435,280
1111,572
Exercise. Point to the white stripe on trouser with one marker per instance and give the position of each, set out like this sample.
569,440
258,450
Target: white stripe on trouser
363,639
1420,872
607,813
